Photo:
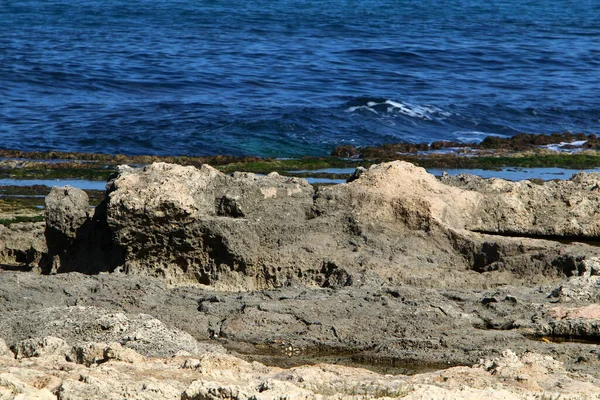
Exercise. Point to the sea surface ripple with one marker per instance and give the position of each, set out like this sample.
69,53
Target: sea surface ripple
289,78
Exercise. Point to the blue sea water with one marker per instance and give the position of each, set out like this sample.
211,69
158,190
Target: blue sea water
292,77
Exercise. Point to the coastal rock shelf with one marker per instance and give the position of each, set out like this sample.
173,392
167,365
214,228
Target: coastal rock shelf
249,232
180,271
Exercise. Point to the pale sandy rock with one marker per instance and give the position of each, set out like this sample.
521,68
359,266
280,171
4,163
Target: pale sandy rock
221,376
41,347
591,311
429,392
249,232
114,351
579,289
555,208
163,190
11,388
528,376
268,390
245,231
89,354
5,350
113,385
404,193
67,208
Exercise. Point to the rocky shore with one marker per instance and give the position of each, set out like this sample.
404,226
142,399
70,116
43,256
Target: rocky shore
189,283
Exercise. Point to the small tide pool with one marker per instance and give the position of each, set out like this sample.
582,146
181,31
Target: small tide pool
78,183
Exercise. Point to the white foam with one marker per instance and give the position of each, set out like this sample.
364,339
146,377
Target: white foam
474,136
410,110
425,112
352,109
561,146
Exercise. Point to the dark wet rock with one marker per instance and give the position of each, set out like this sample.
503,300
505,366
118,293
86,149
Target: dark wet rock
517,143
391,151
526,141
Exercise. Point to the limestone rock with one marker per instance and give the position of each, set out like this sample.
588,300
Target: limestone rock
199,225
555,208
41,347
77,238
246,231
583,284
573,322
89,353
222,376
271,390
115,351
249,232
4,350
579,289
82,325
22,244
12,388
67,210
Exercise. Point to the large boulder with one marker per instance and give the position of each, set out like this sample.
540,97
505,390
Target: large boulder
200,225
67,209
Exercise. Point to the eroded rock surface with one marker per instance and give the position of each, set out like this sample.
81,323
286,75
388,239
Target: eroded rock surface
249,232
393,268
560,208
77,324
22,245
117,374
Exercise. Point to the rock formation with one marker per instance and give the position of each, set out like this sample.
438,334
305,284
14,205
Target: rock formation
248,232
44,370
394,268
22,245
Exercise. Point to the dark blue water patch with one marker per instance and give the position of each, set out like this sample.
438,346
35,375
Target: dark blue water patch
278,78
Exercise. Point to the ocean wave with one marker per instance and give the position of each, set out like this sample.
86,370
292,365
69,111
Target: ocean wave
391,107
474,136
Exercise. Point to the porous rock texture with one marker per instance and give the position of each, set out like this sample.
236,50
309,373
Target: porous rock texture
22,245
109,371
394,268
251,232
561,208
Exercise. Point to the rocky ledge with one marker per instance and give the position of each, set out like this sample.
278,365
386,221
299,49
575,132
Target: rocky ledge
394,270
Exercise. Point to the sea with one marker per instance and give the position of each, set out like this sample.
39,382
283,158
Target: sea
289,78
